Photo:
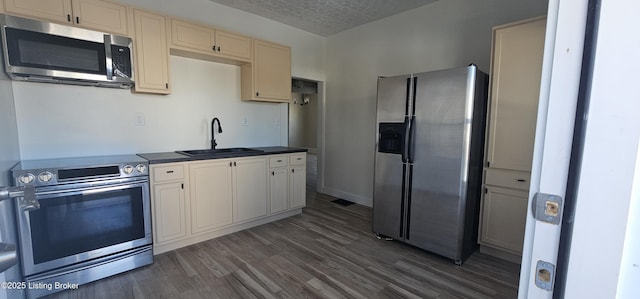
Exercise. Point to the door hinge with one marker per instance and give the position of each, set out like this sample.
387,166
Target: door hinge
547,208
545,275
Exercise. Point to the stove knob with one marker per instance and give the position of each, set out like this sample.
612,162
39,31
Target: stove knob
141,168
26,178
128,169
45,176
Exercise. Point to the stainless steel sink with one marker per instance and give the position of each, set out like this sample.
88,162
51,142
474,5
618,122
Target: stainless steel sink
218,152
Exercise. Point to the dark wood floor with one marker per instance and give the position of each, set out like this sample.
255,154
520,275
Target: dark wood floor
326,252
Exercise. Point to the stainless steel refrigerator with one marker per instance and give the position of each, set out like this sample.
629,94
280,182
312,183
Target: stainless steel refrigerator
428,160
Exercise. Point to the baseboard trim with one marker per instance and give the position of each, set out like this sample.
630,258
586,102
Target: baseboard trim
501,254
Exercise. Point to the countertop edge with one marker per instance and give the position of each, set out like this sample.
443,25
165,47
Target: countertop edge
173,157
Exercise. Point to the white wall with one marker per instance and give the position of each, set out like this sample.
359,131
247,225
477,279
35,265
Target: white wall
440,35
9,156
61,121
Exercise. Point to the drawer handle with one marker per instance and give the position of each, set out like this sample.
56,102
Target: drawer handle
169,171
299,159
521,180
279,161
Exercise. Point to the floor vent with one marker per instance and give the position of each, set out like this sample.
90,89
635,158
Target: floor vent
342,202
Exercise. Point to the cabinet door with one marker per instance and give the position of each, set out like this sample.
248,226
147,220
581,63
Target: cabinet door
101,15
298,186
272,71
54,10
190,36
233,45
152,56
169,212
504,214
250,186
279,189
210,188
516,70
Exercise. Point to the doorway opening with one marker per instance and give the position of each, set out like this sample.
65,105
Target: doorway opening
305,125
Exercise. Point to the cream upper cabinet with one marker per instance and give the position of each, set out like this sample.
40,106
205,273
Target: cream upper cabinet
516,68
151,53
268,78
98,15
192,36
515,87
233,45
211,192
250,188
206,40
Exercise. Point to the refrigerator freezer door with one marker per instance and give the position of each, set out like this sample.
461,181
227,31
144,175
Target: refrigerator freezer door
443,111
389,195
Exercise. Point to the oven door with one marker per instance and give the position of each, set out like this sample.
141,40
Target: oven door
80,224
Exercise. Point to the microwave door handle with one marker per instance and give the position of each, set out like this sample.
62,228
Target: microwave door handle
108,56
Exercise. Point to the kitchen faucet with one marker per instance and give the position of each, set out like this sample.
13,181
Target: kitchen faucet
213,139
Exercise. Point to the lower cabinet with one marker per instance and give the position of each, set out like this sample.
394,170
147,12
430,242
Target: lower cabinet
168,205
169,211
211,195
279,189
288,182
199,200
504,214
298,186
250,189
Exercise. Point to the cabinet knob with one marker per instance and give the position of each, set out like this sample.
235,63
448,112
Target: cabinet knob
218,48
77,20
169,171
257,94
273,173
213,48
293,170
521,180
68,18
166,85
230,164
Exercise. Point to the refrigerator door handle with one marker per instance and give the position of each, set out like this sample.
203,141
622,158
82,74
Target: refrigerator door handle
406,141
411,145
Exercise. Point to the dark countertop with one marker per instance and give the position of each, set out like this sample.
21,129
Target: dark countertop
169,157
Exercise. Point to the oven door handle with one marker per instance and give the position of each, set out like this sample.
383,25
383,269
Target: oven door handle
28,201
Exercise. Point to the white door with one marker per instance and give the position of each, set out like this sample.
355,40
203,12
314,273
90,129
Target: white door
554,133
595,267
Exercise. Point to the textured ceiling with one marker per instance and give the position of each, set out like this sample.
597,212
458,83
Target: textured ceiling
324,17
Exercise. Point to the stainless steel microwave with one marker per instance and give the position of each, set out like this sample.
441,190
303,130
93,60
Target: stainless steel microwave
53,53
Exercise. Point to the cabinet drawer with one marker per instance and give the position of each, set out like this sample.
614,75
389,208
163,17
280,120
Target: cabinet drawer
278,161
298,159
168,173
509,179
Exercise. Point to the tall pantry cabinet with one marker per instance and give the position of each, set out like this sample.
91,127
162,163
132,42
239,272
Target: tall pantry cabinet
516,68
